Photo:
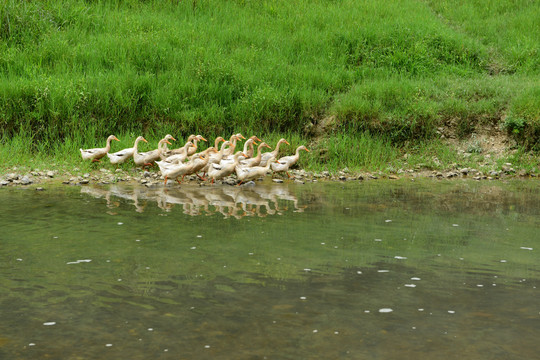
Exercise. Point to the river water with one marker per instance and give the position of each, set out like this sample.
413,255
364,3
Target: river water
373,270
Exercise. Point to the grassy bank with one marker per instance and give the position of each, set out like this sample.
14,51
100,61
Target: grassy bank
388,74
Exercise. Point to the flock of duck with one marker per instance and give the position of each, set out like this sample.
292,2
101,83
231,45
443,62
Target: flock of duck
215,164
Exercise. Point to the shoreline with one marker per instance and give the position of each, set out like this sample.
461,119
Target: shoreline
14,177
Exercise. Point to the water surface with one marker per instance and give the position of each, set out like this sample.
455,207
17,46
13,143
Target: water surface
372,270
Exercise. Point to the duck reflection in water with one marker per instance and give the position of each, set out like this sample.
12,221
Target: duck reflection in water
229,201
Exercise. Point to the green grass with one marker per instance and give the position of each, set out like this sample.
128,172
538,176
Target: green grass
73,72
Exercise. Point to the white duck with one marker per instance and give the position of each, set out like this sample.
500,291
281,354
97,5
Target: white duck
284,163
216,158
97,153
201,160
266,156
121,156
218,171
193,150
245,174
173,171
216,144
182,149
248,146
254,161
233,140
147,158
179,157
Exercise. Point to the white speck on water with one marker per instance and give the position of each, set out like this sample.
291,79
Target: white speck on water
137,240
207,346
19,259
526,248
455,225
410,285
415,278
387,221
359,272
335,247
336,332
279,258
438,254
420,309
150,329
451,312
31,344
119,279
493,284
193,247
250,253
107,260
323,243
79,261
199,236
303,298
55,237
385,310
480,285
400,257
383,271
366,311
315,331
120,223
307,269
461,259
148,268
165,350
414,328
108,345
49,323
503,261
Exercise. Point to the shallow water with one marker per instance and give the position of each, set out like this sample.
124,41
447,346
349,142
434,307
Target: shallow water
372,270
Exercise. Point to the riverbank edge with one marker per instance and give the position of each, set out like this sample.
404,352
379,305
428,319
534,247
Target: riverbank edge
38,178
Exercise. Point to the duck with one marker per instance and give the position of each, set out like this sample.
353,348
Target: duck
173,171
97,153
254,161
203,161
266,156
245,174
219,171
121,156
283,164
180,150
156,154
147,158
216,144
248,146
216,157
179,157
234,138
196,139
